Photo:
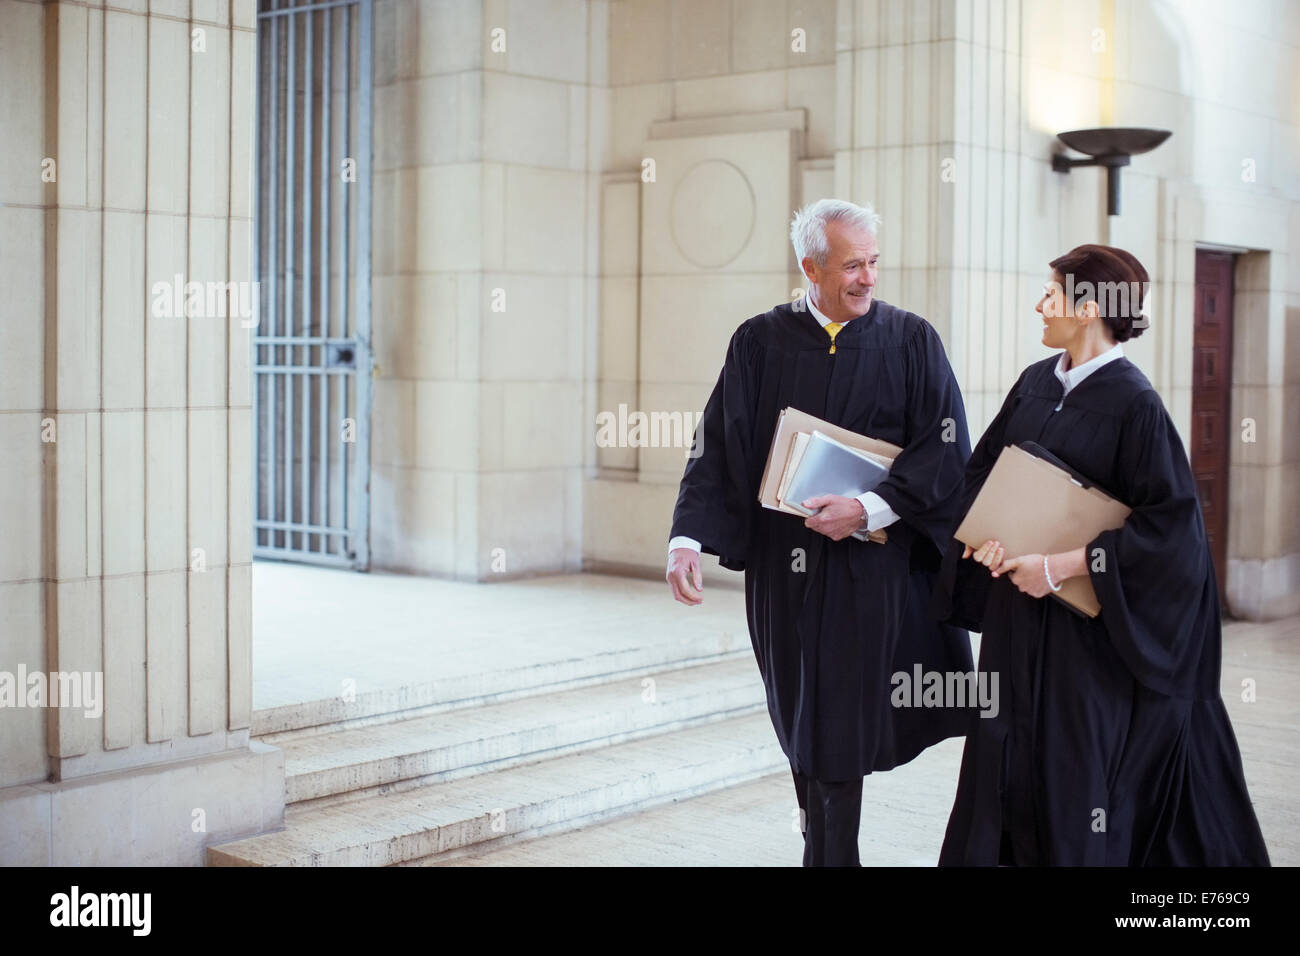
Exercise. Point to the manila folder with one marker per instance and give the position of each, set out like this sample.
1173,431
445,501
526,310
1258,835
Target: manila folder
792,421
1034,506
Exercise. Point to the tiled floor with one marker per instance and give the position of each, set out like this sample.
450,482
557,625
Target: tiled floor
387,627
315,627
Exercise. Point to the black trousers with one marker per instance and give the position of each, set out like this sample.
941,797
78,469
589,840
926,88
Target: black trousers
831,812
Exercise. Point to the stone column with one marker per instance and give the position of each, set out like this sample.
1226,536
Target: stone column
127,433
488,126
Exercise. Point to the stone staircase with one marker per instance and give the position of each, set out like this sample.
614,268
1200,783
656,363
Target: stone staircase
509,755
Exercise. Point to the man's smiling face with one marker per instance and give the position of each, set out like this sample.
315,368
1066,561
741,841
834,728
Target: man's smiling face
844,286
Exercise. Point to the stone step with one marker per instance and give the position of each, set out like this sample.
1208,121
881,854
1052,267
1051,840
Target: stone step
348,764
427,696
576,789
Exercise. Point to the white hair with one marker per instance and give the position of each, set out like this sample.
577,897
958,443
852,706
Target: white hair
808,228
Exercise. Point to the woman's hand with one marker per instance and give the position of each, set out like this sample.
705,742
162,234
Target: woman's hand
1029,571
1026,571
989,554
1027,574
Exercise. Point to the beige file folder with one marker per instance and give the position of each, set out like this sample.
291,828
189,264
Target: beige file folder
1034,506
783,455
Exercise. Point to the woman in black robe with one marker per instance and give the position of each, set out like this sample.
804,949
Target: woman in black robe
1112,745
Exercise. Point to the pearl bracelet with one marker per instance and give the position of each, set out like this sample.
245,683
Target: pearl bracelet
1048,575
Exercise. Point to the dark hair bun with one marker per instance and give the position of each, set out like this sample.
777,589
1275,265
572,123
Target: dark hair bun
1114,279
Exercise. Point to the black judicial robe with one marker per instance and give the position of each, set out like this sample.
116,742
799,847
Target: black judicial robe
1112,745
832,621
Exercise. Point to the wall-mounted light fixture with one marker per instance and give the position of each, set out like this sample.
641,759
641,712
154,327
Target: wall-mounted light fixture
1111,147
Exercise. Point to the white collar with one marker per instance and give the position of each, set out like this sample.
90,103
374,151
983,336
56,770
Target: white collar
817,314
1072,377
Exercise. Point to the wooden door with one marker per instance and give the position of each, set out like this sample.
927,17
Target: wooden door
1212,432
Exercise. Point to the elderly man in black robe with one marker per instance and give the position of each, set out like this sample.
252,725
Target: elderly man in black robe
833,618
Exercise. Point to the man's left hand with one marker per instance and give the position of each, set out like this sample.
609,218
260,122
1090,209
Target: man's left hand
838,518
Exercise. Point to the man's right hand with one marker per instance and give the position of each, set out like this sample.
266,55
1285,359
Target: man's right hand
684,575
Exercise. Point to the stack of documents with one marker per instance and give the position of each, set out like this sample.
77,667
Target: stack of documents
810,457
1034,504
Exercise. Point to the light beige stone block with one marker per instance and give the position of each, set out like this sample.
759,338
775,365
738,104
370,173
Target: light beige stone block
169,108
22,729
207,679
445,243
166,329
632,110
68,85
165,467
449,36
241,510
156,809
812,89
393,422
445,428
641,41
628,522
672,412
413,520
123,700
549,39
22,55
818,19
208,329
77,647
536,337
419,336
24,827
1266,408
210,11
527,120
70,492
125,309
166,640
688,321
243,115
241,329
206,477
610,395
171,8
123,451
619,321
125,145
541,425
733,93
243,13
239,644
620,227
22,339
76,337
544,220
760,36
508,548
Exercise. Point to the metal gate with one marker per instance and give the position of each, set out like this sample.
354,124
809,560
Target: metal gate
311,350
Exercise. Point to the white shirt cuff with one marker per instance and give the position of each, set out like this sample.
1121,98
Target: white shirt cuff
878,512
681,541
